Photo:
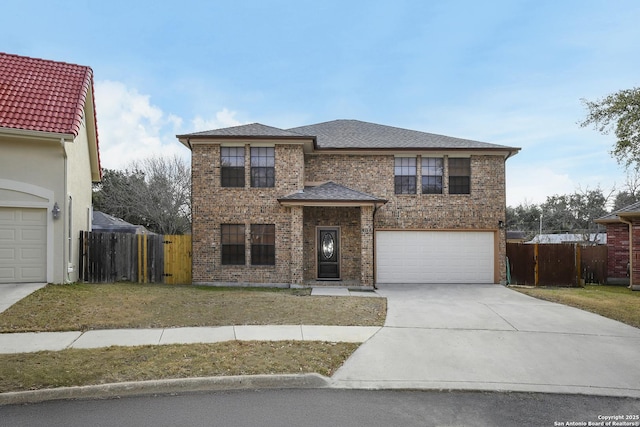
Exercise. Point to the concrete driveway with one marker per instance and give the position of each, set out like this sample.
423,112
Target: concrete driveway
11,293
489,337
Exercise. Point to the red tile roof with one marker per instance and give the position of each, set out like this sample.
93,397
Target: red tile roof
43,95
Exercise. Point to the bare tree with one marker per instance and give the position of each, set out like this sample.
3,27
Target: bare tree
154,192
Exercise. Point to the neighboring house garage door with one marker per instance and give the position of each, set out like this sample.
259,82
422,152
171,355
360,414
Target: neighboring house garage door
23,243
435,257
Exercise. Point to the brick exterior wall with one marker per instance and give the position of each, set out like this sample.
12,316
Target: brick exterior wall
213,205
618,250
480,210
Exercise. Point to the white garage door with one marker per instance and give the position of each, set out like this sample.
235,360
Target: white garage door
435,257
23,243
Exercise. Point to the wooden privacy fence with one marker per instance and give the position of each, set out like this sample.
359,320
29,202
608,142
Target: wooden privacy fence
142,258
556,264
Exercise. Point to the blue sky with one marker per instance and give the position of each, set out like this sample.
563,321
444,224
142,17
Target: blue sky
507,72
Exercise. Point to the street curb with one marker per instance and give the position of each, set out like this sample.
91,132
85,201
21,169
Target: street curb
180,385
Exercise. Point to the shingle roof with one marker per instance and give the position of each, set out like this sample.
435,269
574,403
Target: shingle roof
331,192
250,130
42,95
358,134
354,134
614,216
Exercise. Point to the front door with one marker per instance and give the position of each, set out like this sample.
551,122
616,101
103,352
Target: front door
328,256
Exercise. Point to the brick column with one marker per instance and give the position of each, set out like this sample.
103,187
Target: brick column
366,246
297,243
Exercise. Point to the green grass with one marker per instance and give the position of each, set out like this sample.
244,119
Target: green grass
615,302
78,367
126,305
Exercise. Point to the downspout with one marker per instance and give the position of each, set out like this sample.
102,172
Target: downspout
65,210
630,224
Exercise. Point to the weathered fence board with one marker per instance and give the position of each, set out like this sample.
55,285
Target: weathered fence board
556,265
593,262
112,257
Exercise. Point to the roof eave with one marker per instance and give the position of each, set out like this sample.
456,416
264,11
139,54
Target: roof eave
190,140
506,152
331,203
36,134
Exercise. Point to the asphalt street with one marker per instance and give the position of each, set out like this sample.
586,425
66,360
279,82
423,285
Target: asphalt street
328,407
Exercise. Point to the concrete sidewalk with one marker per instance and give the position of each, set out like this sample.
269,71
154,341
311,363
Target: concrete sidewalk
55,341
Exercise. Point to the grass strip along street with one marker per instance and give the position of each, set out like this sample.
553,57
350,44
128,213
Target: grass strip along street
126,305
615,302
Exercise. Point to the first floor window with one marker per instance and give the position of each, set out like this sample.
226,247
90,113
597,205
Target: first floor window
263,244
432,172
233,244
405,175
459,176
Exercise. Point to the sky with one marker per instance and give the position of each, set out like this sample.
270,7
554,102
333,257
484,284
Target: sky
508,72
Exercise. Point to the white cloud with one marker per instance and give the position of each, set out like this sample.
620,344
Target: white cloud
131,128
222,119
532,184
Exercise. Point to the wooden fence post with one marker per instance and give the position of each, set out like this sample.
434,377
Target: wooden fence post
536,268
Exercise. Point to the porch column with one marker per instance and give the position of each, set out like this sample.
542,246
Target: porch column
366,246
634,237
297,243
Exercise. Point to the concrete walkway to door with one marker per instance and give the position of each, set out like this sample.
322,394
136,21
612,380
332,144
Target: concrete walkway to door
488,337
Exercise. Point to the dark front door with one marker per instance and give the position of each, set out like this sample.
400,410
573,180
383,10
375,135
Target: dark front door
328,256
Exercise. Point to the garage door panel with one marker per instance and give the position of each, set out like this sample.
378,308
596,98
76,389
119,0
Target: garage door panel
23,245
434,257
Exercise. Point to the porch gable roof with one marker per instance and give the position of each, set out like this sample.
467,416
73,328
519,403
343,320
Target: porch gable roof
330,194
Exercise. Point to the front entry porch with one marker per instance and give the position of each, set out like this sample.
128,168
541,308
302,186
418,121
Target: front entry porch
332,233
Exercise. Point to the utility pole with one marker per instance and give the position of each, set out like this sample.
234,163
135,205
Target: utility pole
540,234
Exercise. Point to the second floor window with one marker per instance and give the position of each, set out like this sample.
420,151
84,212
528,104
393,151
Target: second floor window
405,175
263,167
459,176
432,172
232,166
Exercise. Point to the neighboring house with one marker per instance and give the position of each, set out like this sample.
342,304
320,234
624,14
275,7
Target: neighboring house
49,146
623,242
590,239
516,236
106,223
346,203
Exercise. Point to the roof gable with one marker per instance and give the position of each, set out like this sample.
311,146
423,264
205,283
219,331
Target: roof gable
43,95
51,97
251,130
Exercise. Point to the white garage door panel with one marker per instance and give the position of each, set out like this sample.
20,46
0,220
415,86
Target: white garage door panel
23,241
434,257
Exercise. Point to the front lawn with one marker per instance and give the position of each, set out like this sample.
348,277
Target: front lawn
615,302
81,307
78,367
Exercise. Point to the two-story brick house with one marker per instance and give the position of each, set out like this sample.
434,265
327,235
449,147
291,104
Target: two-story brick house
346,203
